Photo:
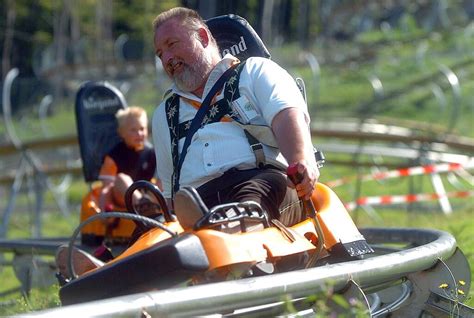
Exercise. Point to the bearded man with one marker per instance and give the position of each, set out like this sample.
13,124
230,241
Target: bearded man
217,160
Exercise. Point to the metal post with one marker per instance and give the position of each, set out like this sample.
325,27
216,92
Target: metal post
27,160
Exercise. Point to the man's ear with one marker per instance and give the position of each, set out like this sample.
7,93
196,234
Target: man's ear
203,36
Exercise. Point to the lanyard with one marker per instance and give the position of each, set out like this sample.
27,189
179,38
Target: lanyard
197,121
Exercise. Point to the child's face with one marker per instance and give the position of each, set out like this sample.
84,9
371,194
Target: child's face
134,132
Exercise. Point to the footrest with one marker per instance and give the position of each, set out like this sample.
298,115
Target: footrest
250,212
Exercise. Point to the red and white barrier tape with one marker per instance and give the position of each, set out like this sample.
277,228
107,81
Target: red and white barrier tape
409,198
412,171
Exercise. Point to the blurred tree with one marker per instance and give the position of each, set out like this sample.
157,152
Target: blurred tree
41,36
19,28
134,19
8,36
266,26
61,38
103,21
19,22
303,23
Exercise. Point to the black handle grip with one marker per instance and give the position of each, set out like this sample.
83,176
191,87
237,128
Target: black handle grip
296,177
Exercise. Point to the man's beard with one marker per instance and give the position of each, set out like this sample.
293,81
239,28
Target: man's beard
192,76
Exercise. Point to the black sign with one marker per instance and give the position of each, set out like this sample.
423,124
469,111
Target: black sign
236,36
96,105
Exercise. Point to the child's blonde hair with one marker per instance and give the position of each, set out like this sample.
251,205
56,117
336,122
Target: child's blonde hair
130,112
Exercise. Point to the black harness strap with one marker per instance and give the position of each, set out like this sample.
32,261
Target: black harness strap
206,114
257,149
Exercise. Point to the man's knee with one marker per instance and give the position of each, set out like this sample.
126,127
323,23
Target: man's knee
291,210
123,180
267,188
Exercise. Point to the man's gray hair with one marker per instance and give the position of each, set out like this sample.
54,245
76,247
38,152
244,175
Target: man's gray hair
188,17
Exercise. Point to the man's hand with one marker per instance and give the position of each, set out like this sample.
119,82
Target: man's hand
309,175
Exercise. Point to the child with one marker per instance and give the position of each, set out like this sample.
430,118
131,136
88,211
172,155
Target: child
131,160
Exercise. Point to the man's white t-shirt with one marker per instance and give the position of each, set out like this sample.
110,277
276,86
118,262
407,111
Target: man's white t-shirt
265,90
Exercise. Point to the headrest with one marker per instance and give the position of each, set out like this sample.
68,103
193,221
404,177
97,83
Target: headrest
96,105
236,36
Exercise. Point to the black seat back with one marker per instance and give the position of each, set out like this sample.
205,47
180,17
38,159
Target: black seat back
236,36
96,105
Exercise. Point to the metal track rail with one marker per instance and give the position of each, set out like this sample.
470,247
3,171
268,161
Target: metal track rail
370,274
388,133
43,246
344,130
